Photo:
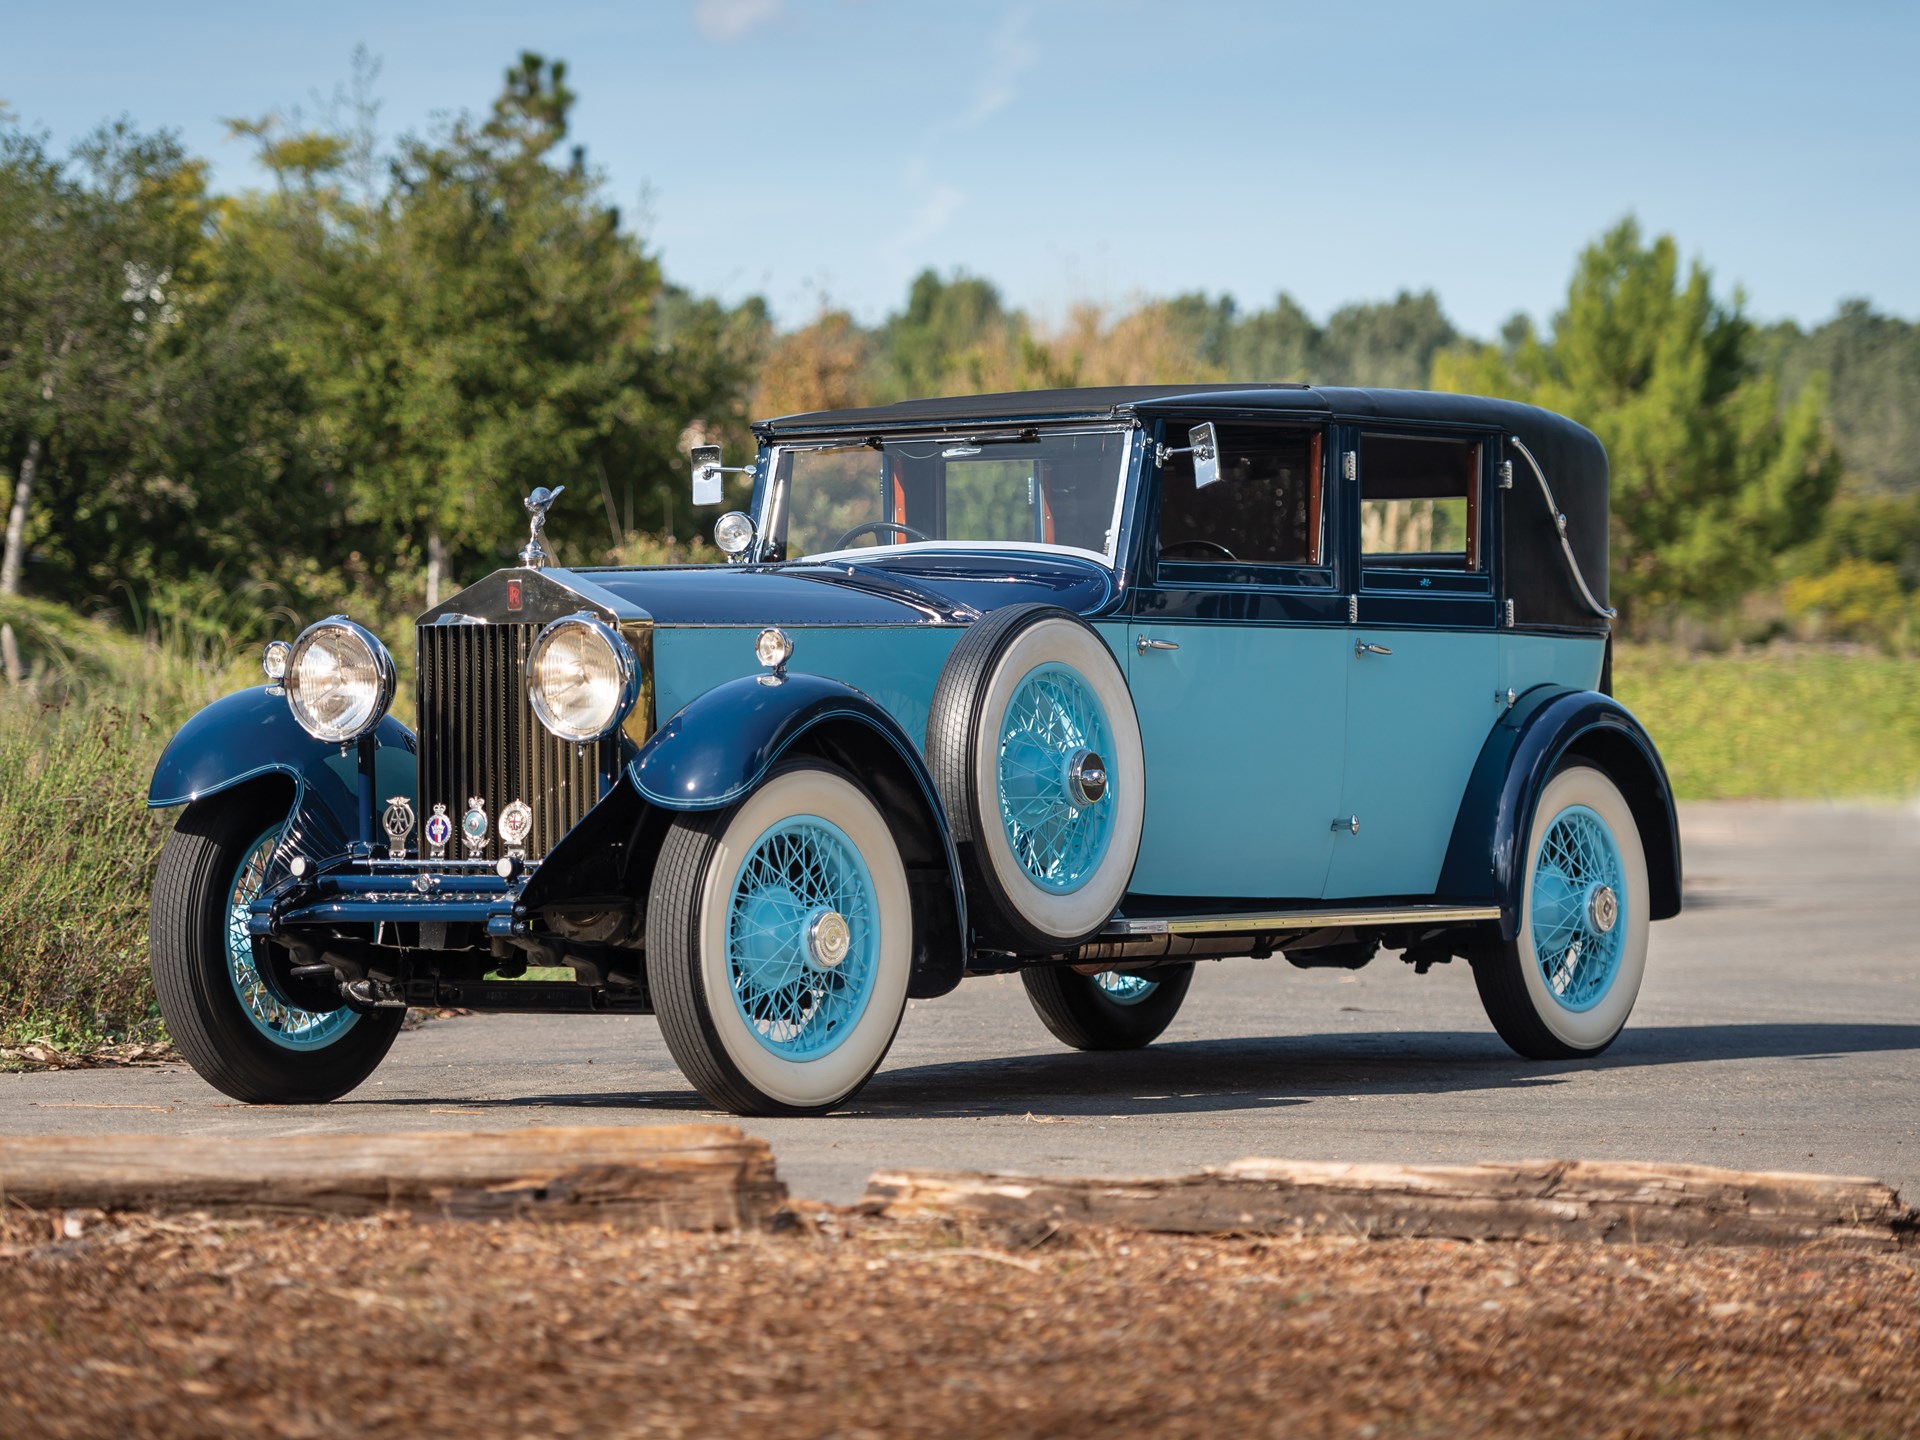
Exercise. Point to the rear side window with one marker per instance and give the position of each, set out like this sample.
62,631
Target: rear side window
1263,510
1419,502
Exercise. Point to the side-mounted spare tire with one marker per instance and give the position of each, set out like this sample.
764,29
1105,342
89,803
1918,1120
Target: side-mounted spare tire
1033,743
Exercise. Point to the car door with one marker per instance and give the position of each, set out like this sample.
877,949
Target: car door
1236,662
1421,657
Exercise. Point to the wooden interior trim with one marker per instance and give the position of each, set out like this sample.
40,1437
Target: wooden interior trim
1473,507
1316,487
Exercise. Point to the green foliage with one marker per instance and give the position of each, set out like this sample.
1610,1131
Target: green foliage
1855,600
1711,478
1872,366
482,326
77,846
945,340
1792,724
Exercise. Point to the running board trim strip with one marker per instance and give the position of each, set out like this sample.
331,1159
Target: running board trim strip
1299,920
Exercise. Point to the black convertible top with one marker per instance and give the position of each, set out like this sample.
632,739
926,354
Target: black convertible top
1570,456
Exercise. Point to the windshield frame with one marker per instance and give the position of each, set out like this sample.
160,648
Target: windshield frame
771,493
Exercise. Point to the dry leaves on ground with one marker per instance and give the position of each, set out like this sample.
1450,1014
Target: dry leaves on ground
48,1057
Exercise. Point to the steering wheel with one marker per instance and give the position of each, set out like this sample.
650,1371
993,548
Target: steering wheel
877,526
1211,547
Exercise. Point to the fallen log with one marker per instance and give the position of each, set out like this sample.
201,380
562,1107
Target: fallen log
688,1177
1538,1200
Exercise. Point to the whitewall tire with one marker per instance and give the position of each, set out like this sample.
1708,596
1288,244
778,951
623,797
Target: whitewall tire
779,944
1564,986
1033,742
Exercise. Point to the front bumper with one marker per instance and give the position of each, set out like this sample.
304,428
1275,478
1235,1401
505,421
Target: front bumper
382,893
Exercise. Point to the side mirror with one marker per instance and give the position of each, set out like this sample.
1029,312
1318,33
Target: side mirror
1206,455
707,484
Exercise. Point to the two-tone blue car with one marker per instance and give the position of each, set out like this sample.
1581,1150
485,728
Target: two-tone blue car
1084,684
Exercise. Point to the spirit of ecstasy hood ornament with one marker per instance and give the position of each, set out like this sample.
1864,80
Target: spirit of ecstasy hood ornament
535,557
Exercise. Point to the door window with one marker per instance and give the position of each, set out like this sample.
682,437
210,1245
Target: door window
1419,503
1264,510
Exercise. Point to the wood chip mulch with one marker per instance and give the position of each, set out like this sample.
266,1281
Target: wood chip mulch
847,1326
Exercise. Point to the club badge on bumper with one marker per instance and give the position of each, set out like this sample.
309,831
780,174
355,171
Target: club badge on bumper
473,826
439,832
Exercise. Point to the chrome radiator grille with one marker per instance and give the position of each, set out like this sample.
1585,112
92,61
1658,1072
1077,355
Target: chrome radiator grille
478,736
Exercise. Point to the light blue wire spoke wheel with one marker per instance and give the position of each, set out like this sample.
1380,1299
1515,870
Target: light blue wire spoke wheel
1564,986
236,1023
801,932
1033,743
780,942
1576,908
279,1022
1053,736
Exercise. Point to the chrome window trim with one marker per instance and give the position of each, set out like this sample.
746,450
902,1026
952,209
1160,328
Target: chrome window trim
774,502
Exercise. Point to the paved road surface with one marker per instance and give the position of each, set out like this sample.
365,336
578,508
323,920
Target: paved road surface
1779,1027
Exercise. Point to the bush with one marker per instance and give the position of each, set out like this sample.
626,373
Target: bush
1855,600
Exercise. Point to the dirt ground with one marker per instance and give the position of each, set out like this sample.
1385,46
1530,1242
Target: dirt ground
846,1326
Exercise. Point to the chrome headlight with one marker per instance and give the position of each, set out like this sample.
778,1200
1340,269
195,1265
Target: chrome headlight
582,678
339,680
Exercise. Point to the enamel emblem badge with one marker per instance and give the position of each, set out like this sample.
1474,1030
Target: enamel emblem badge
516,823
473,826
439,832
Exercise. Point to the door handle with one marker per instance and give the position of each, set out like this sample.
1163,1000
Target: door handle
1143,644
1367,647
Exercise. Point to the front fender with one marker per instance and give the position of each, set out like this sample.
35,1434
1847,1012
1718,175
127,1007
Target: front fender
1486,857
723,744
251,734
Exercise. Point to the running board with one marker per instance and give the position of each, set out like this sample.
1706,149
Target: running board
1122,928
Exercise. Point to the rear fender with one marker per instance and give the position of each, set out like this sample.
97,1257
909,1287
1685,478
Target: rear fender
723,744
1486,858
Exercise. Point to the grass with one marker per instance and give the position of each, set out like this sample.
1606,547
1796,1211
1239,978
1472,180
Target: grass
78,742
1778,723
77,844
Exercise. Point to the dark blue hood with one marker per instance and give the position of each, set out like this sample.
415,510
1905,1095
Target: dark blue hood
943,587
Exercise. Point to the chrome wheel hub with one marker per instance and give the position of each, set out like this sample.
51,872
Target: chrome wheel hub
1086,777
829,938
1603,908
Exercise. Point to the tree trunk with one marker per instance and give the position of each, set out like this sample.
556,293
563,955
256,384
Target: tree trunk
17,521
10,656
436,566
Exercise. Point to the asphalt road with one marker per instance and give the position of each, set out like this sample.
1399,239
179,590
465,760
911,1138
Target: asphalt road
1778,1028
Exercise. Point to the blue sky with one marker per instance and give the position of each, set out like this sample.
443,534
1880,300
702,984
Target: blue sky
1105,149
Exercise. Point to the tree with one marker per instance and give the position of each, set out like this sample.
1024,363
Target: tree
1872,365
481,326
129,384
1390,343
1711,478
946,340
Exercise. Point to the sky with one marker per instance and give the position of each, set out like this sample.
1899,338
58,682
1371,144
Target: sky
823,151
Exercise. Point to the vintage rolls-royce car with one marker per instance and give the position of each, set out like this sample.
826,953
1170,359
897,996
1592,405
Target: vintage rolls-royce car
1084,684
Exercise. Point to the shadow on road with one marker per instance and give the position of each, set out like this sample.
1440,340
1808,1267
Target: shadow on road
1201,1076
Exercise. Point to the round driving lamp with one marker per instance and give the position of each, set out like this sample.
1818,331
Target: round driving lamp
339,680
773,648
274,659
733,533
582,678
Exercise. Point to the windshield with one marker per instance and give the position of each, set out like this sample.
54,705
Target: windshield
1059,488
